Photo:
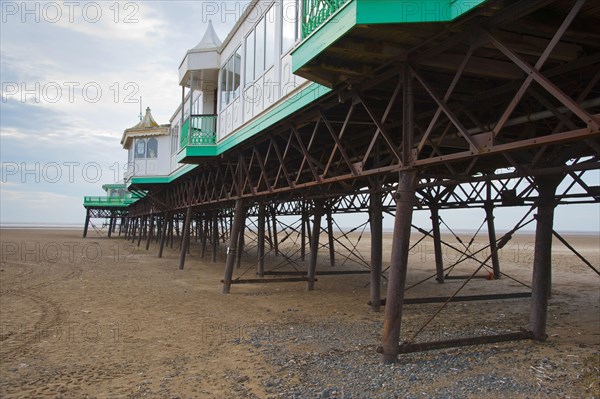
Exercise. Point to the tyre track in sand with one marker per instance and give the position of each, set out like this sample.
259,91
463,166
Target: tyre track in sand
26,285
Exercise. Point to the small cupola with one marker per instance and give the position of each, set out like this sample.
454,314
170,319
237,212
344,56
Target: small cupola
145,128
201,64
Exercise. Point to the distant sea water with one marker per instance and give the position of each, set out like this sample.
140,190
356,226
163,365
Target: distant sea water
38,226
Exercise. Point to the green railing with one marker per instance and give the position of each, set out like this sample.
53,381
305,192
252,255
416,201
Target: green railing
108,201
315,12
199,130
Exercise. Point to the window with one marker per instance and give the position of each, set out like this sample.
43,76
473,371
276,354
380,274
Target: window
152,148
289,29
259,56
237,72
140,148
270,38
146,148
174,139
260,47
249,73
230,78
224,92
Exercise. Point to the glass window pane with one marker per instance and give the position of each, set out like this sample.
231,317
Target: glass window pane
230,79
237,66
249,75
290,12
152,150
259,65
270,38
140,148
223,88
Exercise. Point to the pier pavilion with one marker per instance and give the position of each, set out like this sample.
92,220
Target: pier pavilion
317,108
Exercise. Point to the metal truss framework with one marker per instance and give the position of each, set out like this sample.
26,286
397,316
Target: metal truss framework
511,112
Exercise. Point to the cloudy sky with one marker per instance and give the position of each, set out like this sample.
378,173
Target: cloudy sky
72,77
72,74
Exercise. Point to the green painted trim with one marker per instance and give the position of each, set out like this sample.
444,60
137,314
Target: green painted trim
372,12
304,97
397,12
141,180
113,185
325,35
107,202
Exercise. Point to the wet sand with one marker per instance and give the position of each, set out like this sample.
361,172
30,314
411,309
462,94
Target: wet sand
102,318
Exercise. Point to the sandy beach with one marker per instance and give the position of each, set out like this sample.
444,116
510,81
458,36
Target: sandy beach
103,318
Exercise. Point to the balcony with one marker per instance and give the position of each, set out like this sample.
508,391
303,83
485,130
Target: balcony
198,138
347,39
199,130
316,12
107,202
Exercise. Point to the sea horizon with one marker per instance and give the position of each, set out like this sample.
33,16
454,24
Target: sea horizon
77,226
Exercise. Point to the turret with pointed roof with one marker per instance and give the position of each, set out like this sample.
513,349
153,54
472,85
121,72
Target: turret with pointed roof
210,41
202,62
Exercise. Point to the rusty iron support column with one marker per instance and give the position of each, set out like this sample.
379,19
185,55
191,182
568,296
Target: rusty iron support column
150,232
405,199
376,219
489,216
123,226
158,229
542,258
399,263
437,243
204,234
87,223
110,224
261,240
241,242
134,225
171,223
238,220
185,238
215,236
314,244
303,233
330,236
308,231
163,235
274,226
141,232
